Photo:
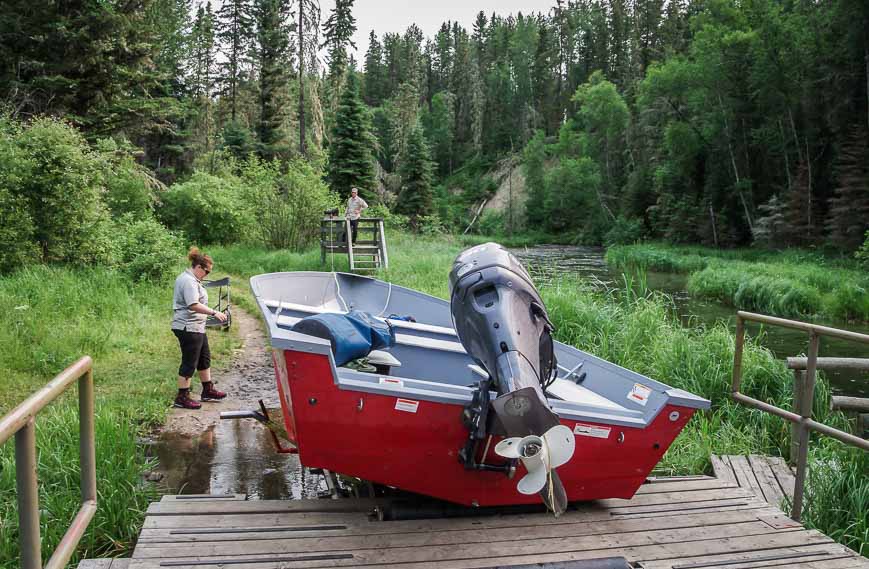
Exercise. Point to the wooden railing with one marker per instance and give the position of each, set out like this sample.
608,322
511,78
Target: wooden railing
21,422
802,418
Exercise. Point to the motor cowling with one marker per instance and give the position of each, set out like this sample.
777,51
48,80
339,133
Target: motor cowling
500,318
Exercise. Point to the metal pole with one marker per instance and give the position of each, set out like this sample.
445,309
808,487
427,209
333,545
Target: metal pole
806,413
86,444
28,496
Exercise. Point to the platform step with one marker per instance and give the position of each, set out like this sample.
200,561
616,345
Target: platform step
767,477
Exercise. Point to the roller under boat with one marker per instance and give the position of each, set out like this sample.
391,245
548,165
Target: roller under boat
402,426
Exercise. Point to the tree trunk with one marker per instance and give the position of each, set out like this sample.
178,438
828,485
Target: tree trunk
302,146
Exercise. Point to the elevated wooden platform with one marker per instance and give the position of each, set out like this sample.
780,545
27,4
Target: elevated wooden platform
672,523
367,253
767,477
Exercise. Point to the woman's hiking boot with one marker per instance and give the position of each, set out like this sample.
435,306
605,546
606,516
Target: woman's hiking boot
183,401
211,394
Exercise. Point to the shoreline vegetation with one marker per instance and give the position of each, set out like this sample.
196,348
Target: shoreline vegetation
791,283
57,314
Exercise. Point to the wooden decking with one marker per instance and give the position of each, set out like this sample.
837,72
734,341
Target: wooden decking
767,477
675,523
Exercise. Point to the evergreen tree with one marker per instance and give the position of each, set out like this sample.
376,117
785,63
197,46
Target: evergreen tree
848,219
416,197
273,50
235,34
351,162
306,42
375,73
338,32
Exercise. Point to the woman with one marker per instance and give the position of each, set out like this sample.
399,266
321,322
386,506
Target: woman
188,324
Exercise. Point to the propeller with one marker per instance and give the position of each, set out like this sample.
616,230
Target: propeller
541,455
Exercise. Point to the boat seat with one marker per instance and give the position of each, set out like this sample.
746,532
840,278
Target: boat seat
395,323
381,358
570,391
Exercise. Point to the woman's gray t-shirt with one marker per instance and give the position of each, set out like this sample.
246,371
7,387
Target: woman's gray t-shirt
188,291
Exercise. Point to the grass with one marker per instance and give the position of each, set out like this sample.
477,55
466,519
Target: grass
788,284
51,317
636,329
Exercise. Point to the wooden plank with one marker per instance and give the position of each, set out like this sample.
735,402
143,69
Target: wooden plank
399,549
772,492
121,563
723,470
95,564
251,520
677,485
175,508
201,497
472,558
744,475
358,538
747,556
783,474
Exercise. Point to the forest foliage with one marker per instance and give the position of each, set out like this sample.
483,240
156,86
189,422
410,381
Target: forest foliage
702,121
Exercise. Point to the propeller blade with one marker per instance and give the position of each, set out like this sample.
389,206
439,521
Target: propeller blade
534,481
560,444
509,448
554,495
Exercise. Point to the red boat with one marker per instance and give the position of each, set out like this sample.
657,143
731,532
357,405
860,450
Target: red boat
461,407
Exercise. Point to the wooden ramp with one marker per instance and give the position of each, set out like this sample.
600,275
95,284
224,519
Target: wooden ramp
767,477
675,523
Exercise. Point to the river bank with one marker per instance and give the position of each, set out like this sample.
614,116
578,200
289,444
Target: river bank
131,340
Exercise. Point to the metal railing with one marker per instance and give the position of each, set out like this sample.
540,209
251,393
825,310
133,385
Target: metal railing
803,417
21,422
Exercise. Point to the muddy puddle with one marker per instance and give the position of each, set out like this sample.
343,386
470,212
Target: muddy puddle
231,457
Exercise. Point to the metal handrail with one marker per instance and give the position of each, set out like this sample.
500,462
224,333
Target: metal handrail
21,422
803,419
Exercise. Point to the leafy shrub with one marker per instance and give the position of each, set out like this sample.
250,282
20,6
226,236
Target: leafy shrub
623,232
129,187
863,253
209,209
146,250
490,223
390,219
430,225
53,183
288,206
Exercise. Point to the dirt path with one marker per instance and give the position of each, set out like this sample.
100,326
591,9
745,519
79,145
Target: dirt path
247,378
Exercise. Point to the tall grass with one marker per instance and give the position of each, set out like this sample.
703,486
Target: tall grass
49,317
637,329
789,284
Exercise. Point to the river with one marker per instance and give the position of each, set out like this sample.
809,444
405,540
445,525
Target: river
549,262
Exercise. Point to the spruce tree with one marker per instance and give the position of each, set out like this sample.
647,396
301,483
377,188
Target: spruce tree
351,162
848,218
375,73
272,53
306,30
338,32
416,197
235,33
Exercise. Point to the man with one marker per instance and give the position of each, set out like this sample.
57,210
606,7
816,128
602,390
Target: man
355,205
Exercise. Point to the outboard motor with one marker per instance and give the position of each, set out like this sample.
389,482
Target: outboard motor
502,323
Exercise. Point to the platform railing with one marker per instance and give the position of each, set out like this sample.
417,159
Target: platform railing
21,422
803,417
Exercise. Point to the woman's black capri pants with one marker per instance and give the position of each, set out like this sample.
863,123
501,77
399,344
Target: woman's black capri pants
195,354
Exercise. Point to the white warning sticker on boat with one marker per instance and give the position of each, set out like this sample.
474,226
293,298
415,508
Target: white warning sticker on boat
640,394
591,431
391,381
408,405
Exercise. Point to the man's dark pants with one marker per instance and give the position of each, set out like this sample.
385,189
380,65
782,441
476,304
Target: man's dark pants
354,228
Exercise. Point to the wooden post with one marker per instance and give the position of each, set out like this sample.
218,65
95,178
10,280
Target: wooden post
799,385
806,412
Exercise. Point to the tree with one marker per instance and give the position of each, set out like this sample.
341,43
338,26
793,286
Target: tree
438,123
272,54
416,197
235,34
307,30
351,163
338,32
375,72
848,219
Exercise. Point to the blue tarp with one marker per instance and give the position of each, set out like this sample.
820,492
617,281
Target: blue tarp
352,335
